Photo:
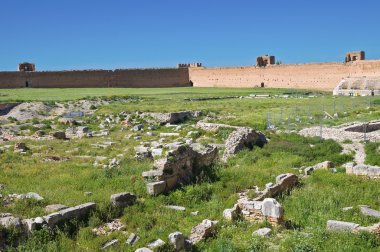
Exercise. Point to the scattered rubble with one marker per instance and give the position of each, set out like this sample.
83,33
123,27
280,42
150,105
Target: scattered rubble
109,228
202,231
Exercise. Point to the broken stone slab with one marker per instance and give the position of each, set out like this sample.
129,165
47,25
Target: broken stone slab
55,208
110,244
203,230
242,138
365,170
366,210
77,212
323,165
177,240
132,239
155,188
123,199
263,232
157,243
341,225
176,208
272,210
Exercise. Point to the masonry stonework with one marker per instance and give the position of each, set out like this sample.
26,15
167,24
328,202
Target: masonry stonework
165,77
317,76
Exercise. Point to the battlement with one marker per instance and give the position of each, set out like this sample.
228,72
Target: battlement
26,67
188,65
265,60
354,56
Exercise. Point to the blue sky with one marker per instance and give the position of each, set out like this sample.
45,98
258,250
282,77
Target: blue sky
84,34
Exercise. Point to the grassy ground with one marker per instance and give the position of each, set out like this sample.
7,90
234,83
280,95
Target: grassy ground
318,199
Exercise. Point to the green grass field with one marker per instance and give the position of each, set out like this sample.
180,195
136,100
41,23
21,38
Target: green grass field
318,199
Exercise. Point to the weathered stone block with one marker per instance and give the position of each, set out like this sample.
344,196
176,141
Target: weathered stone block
123,199
155,188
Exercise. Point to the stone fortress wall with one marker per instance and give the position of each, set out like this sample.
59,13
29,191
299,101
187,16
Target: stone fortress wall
318,76
160,77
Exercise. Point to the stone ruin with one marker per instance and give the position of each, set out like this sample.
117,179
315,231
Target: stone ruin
335,225
363,170
26,67
354,56
179,167
187,65
263,61
358,86
263,206
242,138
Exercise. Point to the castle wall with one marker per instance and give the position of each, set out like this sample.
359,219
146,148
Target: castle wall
319,76
97,78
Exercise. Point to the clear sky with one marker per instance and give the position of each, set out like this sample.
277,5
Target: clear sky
84,34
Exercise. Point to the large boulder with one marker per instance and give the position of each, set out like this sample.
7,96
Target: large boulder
242,138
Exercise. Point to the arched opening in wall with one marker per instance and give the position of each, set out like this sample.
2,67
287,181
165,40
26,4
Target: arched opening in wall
27,84
354,58
191,83
262,84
